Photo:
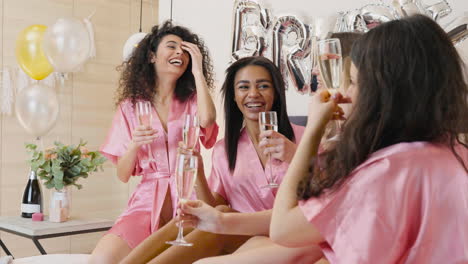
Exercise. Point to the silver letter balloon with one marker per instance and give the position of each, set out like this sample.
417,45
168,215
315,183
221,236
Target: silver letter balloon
289,42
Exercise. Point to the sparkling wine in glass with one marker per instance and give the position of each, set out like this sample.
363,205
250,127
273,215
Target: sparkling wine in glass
269,121
190,131
330,63
186,174
143,109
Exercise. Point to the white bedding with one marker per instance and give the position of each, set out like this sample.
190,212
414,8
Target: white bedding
54,259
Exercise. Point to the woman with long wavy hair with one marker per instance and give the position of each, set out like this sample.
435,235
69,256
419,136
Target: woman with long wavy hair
395,188
171,69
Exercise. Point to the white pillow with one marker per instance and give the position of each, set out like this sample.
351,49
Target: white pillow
54,259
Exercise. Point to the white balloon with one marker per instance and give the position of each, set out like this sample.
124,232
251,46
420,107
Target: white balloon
37,109
67,44
131,44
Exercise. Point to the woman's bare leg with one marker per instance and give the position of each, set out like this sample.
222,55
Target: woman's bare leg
261,250
109,250
204,245
152,246
155,243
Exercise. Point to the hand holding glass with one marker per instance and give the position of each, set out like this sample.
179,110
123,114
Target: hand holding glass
144,114
186,174
269,121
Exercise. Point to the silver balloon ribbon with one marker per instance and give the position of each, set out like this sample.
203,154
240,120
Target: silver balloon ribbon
22,80
7,91
92,44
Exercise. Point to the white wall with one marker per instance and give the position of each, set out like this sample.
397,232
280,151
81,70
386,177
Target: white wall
212,19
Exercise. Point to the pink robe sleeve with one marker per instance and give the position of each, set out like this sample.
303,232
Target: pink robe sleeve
119,136
209,135
215,181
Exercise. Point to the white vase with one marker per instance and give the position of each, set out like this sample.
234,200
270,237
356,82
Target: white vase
60,204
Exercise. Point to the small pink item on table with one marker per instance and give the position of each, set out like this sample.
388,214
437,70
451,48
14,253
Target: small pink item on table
38,217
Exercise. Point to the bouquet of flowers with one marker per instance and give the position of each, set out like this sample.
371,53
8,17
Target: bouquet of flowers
63,165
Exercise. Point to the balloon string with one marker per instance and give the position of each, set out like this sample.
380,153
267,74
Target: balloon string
92,14
40,143
141,12
152,12
171,10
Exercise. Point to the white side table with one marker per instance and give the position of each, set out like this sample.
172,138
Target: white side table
25,227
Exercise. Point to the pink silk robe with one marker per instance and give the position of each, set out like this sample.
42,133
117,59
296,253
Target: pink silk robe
408,203
241,188
145,204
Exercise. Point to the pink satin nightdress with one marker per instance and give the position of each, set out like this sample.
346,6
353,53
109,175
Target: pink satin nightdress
141,218
407,203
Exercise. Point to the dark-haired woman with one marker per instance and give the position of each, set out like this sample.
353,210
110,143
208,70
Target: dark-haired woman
171,69
395,188
240,169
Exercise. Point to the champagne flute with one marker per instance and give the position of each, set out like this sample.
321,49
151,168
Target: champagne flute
269,121
330,63
185,176
143,109
191,131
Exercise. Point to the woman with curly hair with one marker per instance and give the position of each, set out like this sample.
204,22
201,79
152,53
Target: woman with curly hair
171,69
240,169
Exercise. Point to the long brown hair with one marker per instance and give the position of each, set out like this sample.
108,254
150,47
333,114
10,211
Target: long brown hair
410,88
138,78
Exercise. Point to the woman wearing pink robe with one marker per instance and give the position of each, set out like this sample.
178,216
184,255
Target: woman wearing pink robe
171,69
240,166
395,188
242,187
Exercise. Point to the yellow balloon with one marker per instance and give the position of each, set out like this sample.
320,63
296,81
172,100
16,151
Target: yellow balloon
29,53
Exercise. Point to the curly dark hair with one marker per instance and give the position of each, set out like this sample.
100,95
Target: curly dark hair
410,88
138,76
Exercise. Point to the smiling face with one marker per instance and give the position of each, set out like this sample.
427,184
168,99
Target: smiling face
253,91
170,58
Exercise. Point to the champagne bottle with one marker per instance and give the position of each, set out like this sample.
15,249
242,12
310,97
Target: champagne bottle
32,197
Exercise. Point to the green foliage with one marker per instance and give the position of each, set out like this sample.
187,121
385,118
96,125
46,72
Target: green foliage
64,165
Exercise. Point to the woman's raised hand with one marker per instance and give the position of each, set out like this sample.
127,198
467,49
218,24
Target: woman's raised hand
195,55
143,135
277,145
324,107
